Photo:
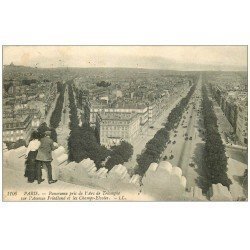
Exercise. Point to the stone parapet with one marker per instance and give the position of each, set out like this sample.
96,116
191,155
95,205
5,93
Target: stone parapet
15,158
195,194
218,192
86,173
161,182
164,182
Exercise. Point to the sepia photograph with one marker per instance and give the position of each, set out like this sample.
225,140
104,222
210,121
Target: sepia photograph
125,123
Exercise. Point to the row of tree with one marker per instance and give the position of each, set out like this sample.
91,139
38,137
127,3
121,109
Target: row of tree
155,147
152,151
119,154
83,142
72,109
13,145
57,112
215,160
59,86
29,81
176,113
103,84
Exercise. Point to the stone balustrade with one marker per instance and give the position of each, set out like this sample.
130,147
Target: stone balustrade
195,194
161,182
15,158
86,173
218,192
164,182
5,149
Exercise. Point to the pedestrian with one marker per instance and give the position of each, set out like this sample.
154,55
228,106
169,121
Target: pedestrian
30,155
44,156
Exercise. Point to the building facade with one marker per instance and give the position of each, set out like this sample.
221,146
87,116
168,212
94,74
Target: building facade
234,106
17,128
91,110
242,123
114,128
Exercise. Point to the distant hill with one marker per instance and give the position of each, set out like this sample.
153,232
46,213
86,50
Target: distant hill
172,68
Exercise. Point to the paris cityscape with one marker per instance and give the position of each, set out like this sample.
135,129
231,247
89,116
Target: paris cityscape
120,126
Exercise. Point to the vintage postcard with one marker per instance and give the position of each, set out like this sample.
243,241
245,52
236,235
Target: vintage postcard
125,123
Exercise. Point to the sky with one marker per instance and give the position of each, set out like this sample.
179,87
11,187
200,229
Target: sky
155,57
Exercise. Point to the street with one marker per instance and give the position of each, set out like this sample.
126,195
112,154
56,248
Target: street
148,133
52,107
63,129
186,146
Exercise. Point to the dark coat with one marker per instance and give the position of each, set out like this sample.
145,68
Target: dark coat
45,149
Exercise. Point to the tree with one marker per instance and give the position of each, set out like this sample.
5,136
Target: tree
115,159
176,113
103,84
82,142
119,154
125,150
9,145
215,157
19,143
53,135
43,128
157,144
57,112
73,110
144,160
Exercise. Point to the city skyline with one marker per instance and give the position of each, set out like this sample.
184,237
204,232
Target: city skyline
183,58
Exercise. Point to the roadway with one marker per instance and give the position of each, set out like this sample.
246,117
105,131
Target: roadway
51,109
63,129
148,133
188,151
65,115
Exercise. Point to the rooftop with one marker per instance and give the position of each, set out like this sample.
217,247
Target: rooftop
16,122
116,116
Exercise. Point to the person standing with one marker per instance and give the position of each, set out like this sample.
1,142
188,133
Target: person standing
30,155
44,156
